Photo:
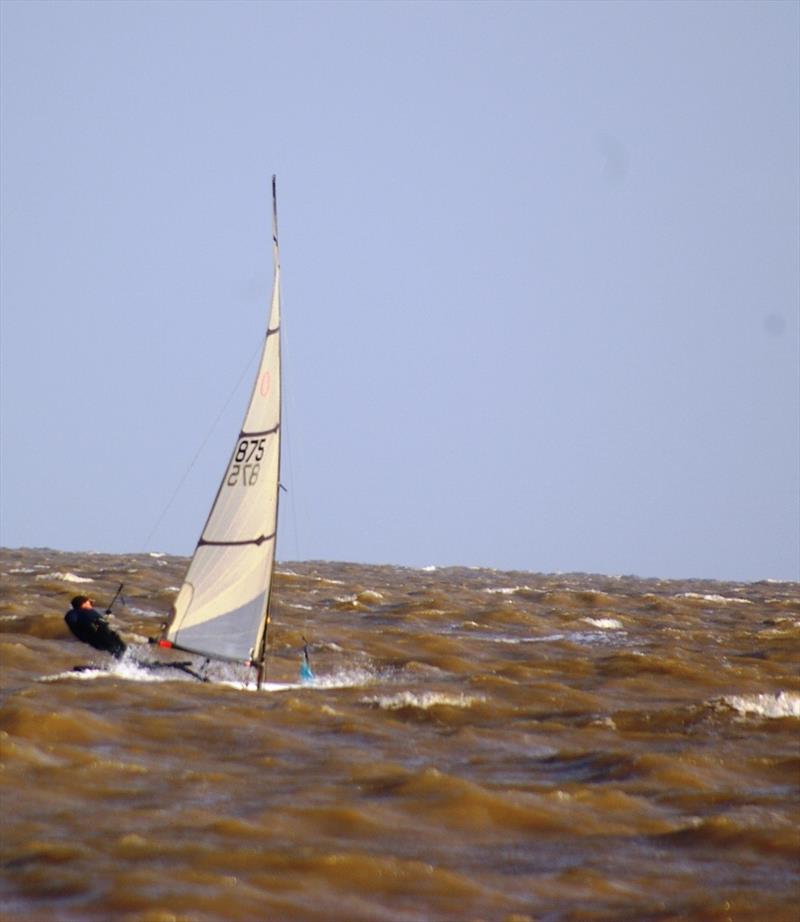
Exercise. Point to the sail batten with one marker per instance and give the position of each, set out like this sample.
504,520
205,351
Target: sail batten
251,435
222,608
259,540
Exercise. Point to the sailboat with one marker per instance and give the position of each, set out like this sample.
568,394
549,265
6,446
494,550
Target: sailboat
222,610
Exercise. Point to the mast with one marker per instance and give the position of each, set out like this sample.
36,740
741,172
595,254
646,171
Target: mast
261,658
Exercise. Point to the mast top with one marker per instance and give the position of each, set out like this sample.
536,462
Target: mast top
274,213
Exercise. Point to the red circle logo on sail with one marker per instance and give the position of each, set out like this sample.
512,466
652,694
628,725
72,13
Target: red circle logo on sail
265,384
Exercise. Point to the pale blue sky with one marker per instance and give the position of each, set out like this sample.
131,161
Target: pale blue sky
541,277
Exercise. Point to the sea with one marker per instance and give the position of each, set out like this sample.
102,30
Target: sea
476,745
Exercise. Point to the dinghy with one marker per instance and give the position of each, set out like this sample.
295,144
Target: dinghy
223,607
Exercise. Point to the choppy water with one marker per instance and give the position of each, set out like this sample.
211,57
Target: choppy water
478,745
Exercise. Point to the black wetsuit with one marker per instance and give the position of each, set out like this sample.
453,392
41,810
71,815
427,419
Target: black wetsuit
88,625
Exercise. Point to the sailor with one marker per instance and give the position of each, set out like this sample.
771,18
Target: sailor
88,625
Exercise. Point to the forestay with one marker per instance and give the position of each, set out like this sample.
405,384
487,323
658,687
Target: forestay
222,609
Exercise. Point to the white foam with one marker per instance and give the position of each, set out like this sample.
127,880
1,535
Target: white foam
365,597
266,687
137,672
598,638
712,598
779,704
370,595
125,669
84,675
133,638
132,672
502,638
584,638
343,678
66,577
610,624
423,700
508,590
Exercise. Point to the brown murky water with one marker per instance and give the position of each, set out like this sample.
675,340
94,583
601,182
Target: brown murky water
477,745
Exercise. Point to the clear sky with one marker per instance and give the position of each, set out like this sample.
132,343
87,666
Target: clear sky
540,266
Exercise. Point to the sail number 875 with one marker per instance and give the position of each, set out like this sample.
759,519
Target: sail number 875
246,464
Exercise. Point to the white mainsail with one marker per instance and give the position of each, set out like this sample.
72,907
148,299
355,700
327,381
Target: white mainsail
222,609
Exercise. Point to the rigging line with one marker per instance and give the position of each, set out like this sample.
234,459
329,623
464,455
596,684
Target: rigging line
286,419
203,444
